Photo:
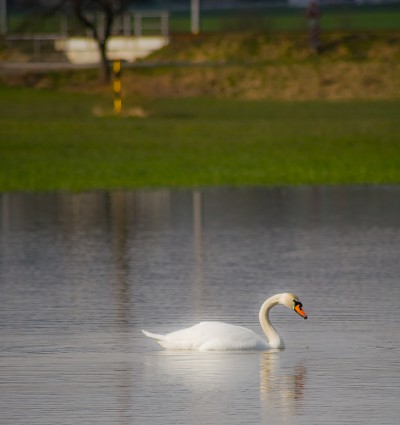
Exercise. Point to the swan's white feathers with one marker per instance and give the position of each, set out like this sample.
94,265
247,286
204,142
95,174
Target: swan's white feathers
211,336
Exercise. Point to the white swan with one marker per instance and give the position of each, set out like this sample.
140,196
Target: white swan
208,336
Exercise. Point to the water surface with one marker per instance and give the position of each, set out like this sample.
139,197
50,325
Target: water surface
82,274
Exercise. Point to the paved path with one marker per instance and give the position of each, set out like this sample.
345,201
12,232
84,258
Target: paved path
21,67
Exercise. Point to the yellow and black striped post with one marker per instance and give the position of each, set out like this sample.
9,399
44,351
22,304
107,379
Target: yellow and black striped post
117,86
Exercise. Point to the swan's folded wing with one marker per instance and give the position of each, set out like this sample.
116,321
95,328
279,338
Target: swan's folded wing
217,336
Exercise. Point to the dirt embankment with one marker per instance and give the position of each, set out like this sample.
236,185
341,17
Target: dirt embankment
277,66
260,66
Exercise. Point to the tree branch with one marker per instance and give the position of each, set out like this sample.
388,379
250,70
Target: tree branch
80,14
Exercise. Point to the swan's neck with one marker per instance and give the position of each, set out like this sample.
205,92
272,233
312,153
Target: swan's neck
274,339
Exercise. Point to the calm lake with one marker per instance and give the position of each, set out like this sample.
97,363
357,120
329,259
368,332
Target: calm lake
82,274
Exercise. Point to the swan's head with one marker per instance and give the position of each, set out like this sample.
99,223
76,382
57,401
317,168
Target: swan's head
292,301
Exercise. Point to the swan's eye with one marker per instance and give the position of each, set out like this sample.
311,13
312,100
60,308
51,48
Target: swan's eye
297,303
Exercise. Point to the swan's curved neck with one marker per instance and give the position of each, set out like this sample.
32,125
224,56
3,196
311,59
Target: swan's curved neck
274,339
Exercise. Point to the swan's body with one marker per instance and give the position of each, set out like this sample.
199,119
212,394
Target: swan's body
217,336
206,336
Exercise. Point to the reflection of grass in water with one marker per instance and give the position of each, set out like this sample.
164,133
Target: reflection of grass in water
53,141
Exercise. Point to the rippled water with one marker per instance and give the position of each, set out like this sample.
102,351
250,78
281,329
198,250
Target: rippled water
81,274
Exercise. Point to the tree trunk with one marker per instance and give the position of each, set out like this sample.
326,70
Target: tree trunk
105,68
106,7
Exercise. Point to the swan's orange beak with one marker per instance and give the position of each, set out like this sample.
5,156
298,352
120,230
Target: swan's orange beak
299,310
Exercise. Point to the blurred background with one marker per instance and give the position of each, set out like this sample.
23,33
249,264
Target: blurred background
34,26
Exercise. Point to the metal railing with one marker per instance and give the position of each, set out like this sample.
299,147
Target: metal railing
34,46
138,24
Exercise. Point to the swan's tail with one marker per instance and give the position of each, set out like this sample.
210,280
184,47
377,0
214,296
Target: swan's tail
157,337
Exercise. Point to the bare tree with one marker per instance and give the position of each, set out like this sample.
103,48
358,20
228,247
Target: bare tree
85,11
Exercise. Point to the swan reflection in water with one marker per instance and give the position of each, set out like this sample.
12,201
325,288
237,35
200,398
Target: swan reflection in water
281,388
259,378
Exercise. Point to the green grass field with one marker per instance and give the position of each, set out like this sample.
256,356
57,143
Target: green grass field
341,17
53,141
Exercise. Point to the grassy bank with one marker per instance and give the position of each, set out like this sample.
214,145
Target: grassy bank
275,66
256,65
52,141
